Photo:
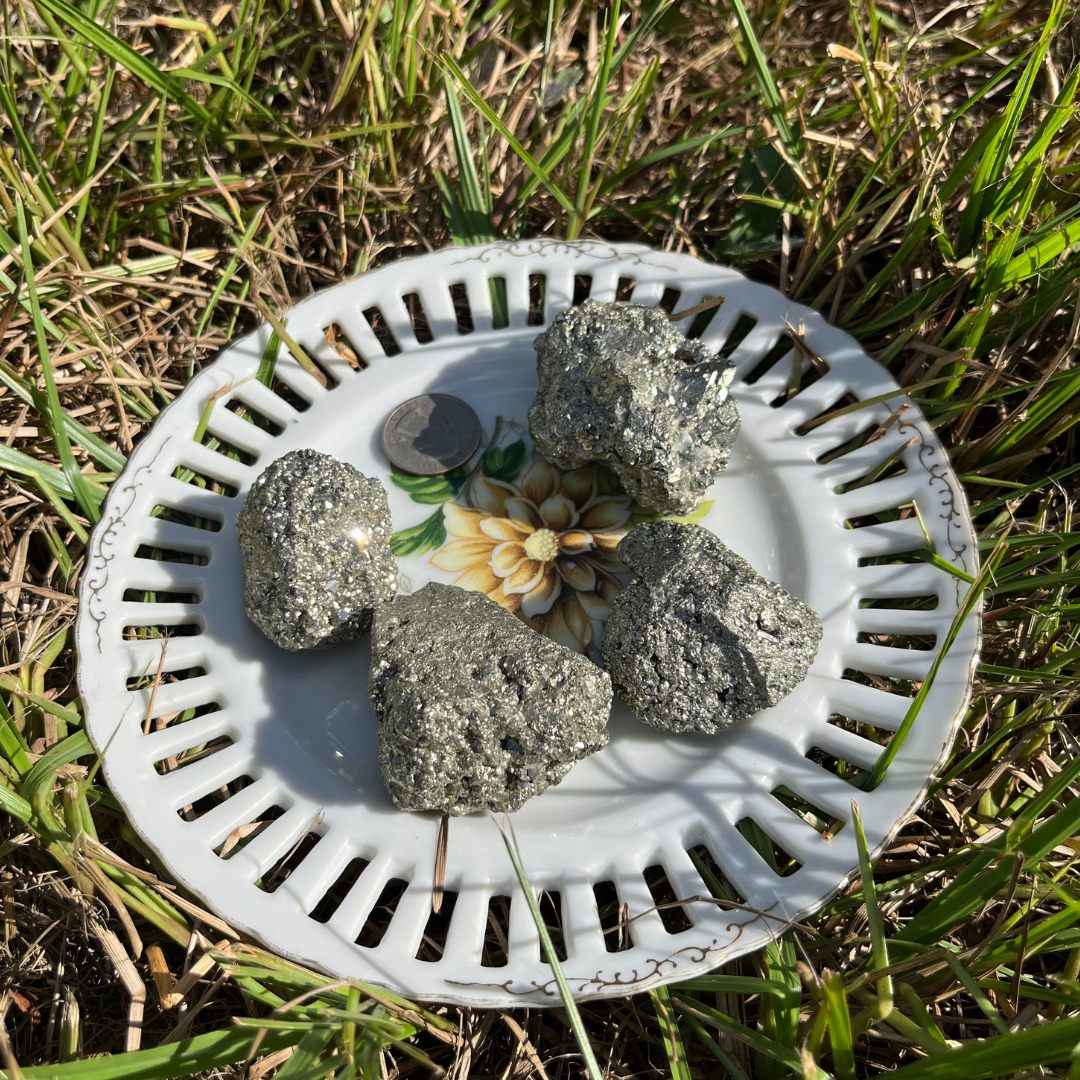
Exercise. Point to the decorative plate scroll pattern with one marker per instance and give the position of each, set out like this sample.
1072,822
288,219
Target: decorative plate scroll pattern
252,772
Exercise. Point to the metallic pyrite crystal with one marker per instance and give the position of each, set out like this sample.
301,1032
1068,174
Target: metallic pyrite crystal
699,640
315,539
478,711
619,384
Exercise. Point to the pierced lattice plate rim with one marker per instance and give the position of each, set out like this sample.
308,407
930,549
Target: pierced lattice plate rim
309,855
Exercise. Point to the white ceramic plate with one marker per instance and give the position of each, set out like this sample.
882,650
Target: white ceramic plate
334,875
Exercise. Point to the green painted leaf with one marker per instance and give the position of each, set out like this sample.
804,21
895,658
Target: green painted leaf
429,490
504,463
418,539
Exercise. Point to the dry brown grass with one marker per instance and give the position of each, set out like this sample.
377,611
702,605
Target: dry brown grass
129,286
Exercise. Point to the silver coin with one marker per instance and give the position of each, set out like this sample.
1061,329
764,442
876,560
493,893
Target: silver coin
431,434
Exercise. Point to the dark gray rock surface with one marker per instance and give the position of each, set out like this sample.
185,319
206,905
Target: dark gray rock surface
315,540
478,711
699,640
619,384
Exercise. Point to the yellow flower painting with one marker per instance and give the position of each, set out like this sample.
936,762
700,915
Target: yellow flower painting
543,548
537,539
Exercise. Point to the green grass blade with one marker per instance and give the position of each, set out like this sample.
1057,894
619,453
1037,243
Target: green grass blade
212,1051
125,56
978,995
93,444
490,116
674,1048
839,1021
1034,259
592,119
754,1039
974,594
17,806
987,872
15,461
1001,1055
581,1036
774,104
879,944
75,479
475,208
732,984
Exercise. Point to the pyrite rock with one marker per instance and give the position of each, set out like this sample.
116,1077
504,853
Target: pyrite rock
315,540
699,640
620,385
478,712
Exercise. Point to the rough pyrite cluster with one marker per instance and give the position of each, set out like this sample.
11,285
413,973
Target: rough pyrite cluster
699,640
620,385
315,539
478,712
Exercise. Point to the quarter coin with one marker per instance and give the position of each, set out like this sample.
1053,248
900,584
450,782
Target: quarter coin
431,434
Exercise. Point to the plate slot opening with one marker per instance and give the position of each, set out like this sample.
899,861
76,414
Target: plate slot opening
716,881
925,602
334,897
898,558
242,835
625,289
146,632
885,683
819,820
377,322
800,377
893,465
537,299
254,417
551,912
183,517
614,917
918,642
433,943
459,297
382,914
145,682
203,805
171,555
275,877
582,288
669,299
857,727
191,755
227,449
496,948
147,596
816,421
672,915
881,517
702,320
781,862
323,372
845,770
344,346
854,443
159,723
418,318
500,308
289,395
188,475
737,334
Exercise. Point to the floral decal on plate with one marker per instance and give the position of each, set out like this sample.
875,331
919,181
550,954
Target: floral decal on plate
540,541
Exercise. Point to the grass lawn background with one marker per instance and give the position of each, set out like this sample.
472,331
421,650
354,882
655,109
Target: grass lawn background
171,175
